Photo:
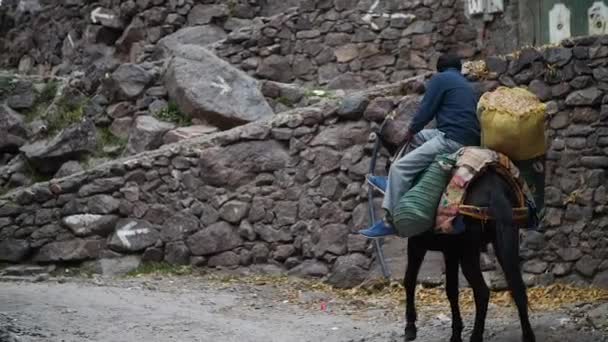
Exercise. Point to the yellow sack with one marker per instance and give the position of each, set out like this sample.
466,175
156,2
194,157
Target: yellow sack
513,123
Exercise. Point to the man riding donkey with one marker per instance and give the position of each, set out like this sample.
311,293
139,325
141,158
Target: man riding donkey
460,179
452,101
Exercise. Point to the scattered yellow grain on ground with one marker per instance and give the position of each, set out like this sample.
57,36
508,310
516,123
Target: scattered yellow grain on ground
545,298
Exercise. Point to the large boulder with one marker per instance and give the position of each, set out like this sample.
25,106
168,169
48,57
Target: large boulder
47,156
237,164
209,88
196,35
71,250
147,134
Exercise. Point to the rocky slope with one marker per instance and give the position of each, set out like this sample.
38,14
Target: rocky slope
87,82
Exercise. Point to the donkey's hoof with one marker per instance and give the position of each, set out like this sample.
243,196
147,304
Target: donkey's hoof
476,338
456,338
410,332
529,338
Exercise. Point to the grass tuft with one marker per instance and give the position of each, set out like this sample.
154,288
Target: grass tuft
68,112
174,115
285,101
43,101
160,268
48,93
106,138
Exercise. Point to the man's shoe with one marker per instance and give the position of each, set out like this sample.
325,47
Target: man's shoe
378,230
378,182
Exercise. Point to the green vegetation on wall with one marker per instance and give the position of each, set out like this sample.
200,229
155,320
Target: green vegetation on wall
66,114
174,115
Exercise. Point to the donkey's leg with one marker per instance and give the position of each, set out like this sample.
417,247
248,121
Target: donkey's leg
415,256
471,268
518,292
451,288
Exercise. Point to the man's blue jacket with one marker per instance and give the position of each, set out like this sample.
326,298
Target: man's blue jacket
451,100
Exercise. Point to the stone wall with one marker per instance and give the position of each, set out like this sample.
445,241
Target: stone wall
48,36
287,192
341,43
354,44
290,191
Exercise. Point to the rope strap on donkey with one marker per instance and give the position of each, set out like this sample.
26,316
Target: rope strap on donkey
520,213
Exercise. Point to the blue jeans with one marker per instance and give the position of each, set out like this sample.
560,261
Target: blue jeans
425,146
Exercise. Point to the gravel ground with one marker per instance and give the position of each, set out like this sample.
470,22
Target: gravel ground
190,308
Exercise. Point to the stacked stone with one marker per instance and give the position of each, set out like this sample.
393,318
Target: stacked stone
288,192
341,43
572,80
39,37
334,43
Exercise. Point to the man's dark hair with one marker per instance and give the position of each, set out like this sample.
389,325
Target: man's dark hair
447,61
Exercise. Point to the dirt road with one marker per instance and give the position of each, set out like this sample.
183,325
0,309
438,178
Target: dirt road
155,309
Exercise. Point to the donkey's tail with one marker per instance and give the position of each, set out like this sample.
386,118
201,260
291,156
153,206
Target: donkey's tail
506,245
507,235
507,240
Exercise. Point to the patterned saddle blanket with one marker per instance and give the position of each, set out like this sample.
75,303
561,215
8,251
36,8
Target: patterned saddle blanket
470,162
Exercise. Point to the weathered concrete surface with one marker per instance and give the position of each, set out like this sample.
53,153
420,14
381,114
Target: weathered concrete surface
192,309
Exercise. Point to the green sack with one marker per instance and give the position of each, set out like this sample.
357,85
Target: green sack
417,209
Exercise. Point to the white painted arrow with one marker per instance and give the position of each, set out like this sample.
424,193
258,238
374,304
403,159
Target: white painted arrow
371,14
97,14
126,231
222,85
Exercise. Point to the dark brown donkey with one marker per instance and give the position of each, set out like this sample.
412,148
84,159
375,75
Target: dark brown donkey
492,191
